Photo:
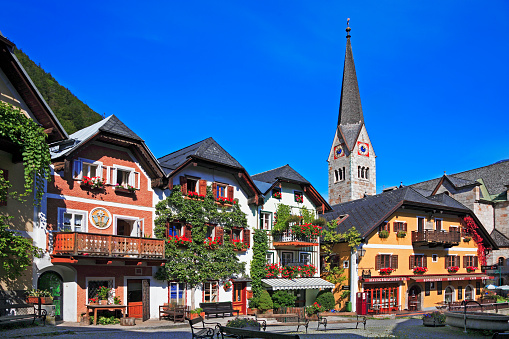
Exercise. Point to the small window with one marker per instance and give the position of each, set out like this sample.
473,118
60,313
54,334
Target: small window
299,197
236,235
72,221
94,285
211,292
287,257
346,264
417,261
399,226
501,261
276,193
177,293
420,224
210,232
470,260
434,258
175,229
90,170
460,292
469,293
191,185
265,221
384,227
453,229
427,288
305,258
336,175
439,287
123,177
221,191
438,224
270,257
385,260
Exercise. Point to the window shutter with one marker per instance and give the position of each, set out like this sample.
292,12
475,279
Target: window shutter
113,176
108,175
447,260
394,262
136,176
230,192
464,261
389,227
394,225
203,187
77,169
188,232
377,262
131,181
3,202
183,185
476,261
411,261
219,234
246,238
404,227
425,261
457,260
214,190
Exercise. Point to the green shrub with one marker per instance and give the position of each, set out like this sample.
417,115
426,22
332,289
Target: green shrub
326,300
283,299
253,302
265,301
242,322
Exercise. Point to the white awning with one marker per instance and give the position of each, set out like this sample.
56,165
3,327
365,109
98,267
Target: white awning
296,284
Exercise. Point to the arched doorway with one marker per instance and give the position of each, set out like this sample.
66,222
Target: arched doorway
469,293
449,294
414,298
53,282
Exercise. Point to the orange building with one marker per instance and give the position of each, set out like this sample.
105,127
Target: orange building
416,253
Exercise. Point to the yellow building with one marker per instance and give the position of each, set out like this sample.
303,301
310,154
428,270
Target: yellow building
416,253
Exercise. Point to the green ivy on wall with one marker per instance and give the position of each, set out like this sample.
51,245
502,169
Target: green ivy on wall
258,263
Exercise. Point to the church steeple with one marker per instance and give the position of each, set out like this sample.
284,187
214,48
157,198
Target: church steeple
350,119
352,160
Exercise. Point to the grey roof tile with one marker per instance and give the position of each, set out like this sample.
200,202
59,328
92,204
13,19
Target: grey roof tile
283,172
207,149
500,239
113,125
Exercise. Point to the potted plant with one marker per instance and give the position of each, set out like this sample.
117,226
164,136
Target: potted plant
467,239
386,270
313,310
103,293
265,302
94,182
420,270
227,285
117,301
401,234
383,234
34,295
452,269
471,269
92,301
433,319
196,313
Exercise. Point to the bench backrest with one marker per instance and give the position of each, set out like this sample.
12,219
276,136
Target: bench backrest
256,334
195,321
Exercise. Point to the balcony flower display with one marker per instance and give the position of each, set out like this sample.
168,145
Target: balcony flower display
272,270
211,243
401,234
307,271
383,234
194,195
225,200
94,182
126,187
471,269
452,269
276,195
238,245
290,272
420,270
179,241
386,270
307,230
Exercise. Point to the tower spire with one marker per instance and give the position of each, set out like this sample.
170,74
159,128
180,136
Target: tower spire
350,108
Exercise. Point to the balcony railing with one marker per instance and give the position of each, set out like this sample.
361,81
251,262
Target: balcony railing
75,243
436,238
290,239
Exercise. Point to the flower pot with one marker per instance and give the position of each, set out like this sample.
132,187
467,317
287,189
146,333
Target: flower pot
103,302
32,300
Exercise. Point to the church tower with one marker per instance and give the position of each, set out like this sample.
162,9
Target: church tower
352,171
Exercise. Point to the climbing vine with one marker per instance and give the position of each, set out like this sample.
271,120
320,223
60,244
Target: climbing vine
470,228
260,248
31,140
197,262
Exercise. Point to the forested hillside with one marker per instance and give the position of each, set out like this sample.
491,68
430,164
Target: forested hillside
72,113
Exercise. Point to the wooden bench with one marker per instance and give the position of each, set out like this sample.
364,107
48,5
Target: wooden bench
297,320
224,307
21,312
174,312
241,333
203,331
323,321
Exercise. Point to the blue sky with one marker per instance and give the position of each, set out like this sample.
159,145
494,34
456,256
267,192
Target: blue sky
263,78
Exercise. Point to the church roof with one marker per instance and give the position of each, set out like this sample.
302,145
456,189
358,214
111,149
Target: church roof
207,149
495,177
284,172
350,119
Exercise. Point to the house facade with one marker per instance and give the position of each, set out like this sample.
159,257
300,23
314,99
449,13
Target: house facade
293,249
416,251
197,169
99,213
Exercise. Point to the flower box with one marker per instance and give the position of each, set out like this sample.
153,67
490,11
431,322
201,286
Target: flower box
276,195
383,234
471,269
44,300
121,189
453,269
401,234
92,183
420,270
387,270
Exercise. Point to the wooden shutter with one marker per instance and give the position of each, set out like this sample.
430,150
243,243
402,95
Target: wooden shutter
108,175
405,226
446,260
377,262
219,234
246,238
425,261
464,261
183,185
394,262
202,187
476,261
394,225
136,176
457,260
188,232
77,169
214,190
3,202
411,261
388,227
230,192
113,176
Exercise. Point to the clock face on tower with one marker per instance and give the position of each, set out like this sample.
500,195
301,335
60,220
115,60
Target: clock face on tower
363,148
338,151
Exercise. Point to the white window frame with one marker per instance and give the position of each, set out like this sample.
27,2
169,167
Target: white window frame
60,223
77,169
140,221
271,255
132,181
184,292
346,264
216,290
269,214
305,253
434,258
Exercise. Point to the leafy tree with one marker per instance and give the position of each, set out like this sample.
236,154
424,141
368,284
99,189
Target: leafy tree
197,263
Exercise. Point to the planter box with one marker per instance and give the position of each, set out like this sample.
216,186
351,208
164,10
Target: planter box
123,190
44,300
103,302
432,322
127,321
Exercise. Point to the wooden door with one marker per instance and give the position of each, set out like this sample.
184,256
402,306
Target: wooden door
239,299
53,282
134,298
145,285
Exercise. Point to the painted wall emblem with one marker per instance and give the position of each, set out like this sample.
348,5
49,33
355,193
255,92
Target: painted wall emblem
338,151
100,217
363,148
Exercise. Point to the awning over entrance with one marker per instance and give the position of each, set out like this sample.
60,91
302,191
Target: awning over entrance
296,284
458,277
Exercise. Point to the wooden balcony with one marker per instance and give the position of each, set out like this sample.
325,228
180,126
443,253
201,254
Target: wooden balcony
436,238
289,239
101,245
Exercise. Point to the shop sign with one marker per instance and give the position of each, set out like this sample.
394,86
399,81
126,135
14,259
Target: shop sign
457,278
386,279
345,287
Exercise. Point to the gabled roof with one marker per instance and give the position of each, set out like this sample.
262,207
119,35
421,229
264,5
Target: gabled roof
284,172
500,239
20,80
350,119
368,213
495,177
207,149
